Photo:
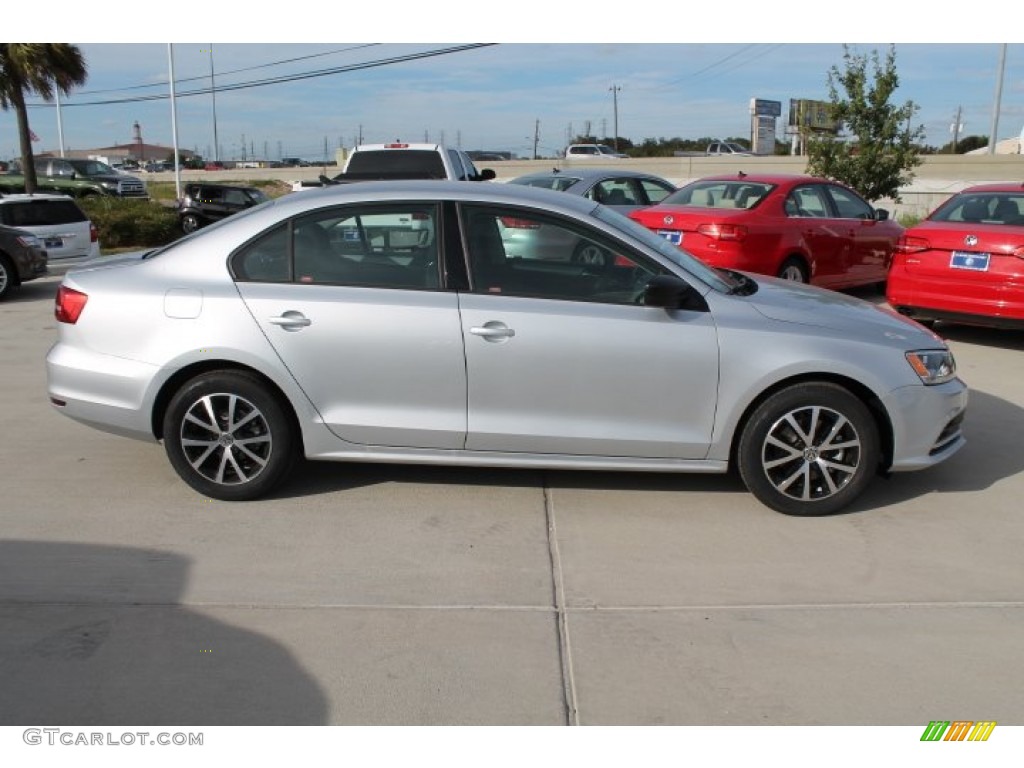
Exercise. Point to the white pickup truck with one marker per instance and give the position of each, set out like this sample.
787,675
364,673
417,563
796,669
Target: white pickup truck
401,160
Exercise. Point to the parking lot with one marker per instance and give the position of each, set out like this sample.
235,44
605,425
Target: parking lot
365,594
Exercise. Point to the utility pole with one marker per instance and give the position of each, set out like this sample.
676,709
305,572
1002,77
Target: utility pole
615,110
536,138
994,133
956,127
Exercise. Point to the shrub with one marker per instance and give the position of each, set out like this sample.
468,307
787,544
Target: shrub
126,224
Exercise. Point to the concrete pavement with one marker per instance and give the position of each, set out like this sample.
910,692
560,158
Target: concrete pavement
400,595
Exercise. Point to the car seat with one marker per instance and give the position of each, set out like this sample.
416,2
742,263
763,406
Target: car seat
974,210
617,197
1007,211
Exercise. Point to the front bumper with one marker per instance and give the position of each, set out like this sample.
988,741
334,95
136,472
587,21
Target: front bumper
927,424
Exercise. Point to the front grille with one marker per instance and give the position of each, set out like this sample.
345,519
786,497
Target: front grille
131,188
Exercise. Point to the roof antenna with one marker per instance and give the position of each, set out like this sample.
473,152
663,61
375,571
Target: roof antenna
742,175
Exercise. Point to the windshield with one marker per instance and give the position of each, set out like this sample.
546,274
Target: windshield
719,281
92,168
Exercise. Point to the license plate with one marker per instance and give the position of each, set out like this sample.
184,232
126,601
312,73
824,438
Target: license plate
53,242
672,235
967,260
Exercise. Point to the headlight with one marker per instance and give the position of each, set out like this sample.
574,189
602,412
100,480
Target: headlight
934,366
109,184
29,241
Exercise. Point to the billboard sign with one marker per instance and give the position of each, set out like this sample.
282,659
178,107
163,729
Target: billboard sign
812,115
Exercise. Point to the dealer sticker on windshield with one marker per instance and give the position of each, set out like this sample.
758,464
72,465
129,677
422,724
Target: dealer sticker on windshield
674,236
967,260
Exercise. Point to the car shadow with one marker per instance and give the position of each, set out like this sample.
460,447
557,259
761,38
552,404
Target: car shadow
1000,338
97,635
34,290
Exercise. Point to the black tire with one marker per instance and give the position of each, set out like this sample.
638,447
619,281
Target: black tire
212,459
590,254
793,269
190,223
8,277
783,454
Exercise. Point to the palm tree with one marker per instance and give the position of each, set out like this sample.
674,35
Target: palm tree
41,68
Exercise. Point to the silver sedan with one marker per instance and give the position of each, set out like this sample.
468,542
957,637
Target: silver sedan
386,322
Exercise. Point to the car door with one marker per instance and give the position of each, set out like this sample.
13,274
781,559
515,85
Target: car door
561,359
827,239
350,299
872,241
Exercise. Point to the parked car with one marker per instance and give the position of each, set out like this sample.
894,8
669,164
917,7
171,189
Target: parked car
302,327
204,203
965,261
22,258
621,190
64,231
77,177
592,152
799,228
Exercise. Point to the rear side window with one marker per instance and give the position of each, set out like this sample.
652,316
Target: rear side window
37,213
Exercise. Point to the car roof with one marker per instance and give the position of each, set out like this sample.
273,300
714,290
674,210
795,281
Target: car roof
1002,186
435,189
588,174
768,178
218,185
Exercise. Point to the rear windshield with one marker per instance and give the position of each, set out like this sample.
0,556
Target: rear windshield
983,208
557,183
720,194
34,213
408,163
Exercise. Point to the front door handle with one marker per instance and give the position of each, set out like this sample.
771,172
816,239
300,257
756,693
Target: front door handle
493,331
290,321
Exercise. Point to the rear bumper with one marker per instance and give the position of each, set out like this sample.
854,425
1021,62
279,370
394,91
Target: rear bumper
927,297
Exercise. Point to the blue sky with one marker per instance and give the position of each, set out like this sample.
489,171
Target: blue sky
671,83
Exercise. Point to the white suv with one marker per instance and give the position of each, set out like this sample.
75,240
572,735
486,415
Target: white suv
63,229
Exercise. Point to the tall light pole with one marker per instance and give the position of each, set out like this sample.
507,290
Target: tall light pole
213,96
615,110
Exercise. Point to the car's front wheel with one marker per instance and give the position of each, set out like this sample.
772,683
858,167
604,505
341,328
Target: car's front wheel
228,436
809,449
190,223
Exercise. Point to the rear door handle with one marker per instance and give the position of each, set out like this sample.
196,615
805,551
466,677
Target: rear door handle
290,321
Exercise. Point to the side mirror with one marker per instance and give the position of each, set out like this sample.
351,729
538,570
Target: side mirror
881,214
671,292
487,174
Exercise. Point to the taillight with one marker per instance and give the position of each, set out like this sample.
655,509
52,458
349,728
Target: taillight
396,145
94,233
513,223
907,245
1019,251
69,305
723,231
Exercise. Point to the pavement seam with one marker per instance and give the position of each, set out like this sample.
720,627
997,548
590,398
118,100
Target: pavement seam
572,712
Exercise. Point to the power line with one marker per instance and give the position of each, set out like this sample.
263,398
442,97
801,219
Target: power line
163,83
279,79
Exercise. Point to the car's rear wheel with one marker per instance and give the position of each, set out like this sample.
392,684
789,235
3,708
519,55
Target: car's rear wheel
190,223
6,276
793,269
591,254
228,436
809,449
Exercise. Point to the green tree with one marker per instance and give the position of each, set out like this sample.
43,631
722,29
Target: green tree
41,68
880,153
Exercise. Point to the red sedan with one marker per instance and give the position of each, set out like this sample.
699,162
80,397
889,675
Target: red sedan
796,227
965,262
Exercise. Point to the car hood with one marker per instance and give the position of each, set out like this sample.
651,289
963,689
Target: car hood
789,302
